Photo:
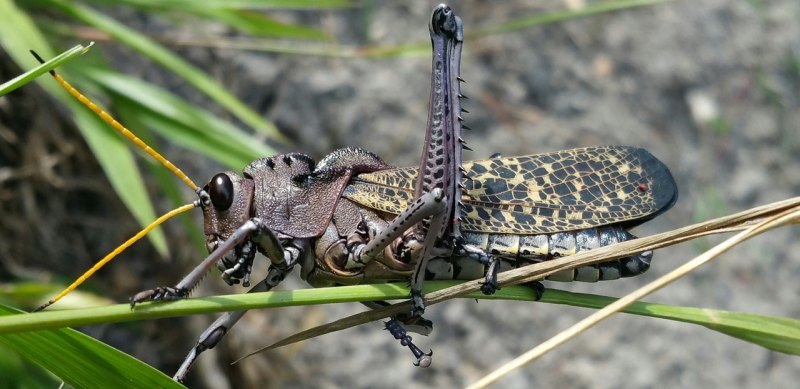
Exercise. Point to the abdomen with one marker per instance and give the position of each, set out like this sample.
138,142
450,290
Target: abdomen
520,250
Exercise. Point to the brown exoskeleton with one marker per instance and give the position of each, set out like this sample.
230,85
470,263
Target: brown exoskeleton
352,218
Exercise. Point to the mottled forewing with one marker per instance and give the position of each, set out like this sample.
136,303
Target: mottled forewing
566,190
387,191
542,193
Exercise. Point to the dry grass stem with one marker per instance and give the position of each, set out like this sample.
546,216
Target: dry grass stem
753,221
789,216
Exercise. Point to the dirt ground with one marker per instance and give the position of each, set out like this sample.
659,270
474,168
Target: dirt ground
711,88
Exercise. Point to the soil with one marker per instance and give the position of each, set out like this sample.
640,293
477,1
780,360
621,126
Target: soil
711,88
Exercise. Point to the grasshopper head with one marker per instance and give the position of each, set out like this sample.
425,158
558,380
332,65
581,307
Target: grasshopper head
229,206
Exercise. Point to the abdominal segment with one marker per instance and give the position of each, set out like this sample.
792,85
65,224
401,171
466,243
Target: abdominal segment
520,250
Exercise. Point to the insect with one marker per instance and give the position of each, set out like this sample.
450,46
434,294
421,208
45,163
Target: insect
352,218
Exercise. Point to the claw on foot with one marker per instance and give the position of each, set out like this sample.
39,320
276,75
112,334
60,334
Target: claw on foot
424,360
396,329
165,293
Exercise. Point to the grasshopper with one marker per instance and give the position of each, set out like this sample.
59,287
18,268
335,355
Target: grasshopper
352,218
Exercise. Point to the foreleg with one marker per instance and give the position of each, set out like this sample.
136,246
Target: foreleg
252,231
216,331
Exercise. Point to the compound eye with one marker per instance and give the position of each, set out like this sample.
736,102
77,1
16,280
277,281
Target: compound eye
221,191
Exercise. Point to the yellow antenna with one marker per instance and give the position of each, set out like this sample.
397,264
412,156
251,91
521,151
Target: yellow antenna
119,127
128,134
116,251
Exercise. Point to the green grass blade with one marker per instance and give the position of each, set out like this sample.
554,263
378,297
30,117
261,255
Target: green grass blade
33,294
238,16
554,17
19,35
18,372
772,332
420,49
423,48
776,333
169,186
80,361
53,63
116,160
260,25
175,64
52,319
234,4
179,121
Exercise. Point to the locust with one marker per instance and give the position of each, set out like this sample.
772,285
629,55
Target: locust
352,218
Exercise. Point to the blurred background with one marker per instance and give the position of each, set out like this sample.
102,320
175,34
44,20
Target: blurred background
711,88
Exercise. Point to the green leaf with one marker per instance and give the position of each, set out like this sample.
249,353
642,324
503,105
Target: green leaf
80,361
234,4
179,121
19,35
776,333
260,24
19,373
241,16
172,62
34,294
47,66
166,182
553,17
117,161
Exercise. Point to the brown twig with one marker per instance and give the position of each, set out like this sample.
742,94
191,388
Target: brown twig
736,222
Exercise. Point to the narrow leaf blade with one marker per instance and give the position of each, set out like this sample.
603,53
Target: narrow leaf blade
81,361
47,66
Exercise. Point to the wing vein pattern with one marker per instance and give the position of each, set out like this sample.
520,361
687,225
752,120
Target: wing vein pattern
543,193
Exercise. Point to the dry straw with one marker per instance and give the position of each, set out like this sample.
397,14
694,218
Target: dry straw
751,222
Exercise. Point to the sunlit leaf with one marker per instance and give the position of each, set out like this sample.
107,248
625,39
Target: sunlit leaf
81,361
